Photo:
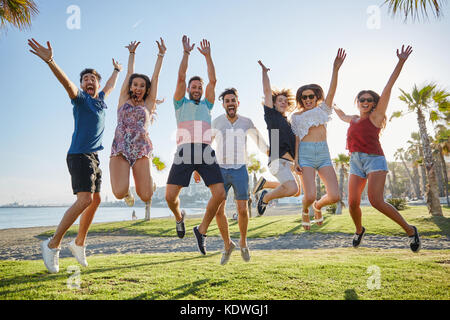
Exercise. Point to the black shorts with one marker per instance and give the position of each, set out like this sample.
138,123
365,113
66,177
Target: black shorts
85,172
194,157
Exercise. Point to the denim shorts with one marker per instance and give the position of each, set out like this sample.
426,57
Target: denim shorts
238,179
361,164
314,154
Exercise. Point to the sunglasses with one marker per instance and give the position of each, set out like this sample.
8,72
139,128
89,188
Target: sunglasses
362,100
311,96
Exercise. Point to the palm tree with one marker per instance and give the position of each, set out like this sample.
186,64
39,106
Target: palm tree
159,165
431,101
415,9
416,151
17,13
442,146
342,161
401,154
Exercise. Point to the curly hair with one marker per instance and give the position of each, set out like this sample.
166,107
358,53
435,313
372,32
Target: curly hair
288,94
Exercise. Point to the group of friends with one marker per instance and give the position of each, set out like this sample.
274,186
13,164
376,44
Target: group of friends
297,149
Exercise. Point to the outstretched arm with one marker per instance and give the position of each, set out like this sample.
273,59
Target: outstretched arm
111,83
150,102
180,91
341,114
46,54
266,86
205,49
334,78
132,47
380,111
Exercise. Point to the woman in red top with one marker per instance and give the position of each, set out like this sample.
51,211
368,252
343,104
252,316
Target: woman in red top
367,162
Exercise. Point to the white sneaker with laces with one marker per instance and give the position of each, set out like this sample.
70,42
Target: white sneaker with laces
79,252
50,256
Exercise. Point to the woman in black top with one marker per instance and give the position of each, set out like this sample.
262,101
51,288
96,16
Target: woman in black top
277,105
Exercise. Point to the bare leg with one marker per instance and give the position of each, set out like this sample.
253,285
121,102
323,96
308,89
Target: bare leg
173,200
242,207
86,219
308,179
328,176
217,197
143,179
375,191
287,189
84,199
271,184
119,169
222,224
356,187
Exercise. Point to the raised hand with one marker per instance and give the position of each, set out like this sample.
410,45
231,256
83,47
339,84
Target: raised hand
187,44
117,65
133,46
341,55
45,54
205,48
264,68
404,54
161,46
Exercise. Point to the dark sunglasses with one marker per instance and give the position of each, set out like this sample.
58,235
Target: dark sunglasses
362,100
311,96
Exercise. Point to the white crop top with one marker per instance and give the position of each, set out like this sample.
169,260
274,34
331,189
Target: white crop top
301,123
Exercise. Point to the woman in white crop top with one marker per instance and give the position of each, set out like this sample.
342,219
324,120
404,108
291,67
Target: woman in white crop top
311,148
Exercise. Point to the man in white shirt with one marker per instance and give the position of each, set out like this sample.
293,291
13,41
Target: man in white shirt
230,132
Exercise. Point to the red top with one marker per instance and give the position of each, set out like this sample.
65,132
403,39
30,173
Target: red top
363,136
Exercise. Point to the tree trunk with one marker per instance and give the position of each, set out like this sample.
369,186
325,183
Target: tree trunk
416,178
414,184
433,204
440,178
444,171
341,190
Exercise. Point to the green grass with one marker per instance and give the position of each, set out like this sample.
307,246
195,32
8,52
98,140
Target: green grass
336,274
274,226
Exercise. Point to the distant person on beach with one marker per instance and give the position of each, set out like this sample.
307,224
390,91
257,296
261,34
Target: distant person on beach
194,152
277,106
311,148
132,147
230,132
367,162
82,158
133,215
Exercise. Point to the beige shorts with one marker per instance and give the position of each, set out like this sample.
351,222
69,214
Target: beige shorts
281,169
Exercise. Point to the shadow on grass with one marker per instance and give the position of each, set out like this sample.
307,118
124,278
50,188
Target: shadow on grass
251,233
350,294
186,290
34,281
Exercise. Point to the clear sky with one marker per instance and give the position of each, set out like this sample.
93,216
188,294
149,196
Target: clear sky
298,40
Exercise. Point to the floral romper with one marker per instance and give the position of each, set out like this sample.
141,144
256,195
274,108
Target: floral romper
131,138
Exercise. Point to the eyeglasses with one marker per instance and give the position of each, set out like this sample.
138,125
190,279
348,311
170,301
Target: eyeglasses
311,96
362,100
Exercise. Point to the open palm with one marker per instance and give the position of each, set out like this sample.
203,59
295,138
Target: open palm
341,55
44,53
205,48
404,53
133,46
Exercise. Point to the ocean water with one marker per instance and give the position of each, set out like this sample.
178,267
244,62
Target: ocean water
51,216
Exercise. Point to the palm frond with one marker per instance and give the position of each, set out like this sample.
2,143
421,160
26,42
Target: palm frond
416,9
17,13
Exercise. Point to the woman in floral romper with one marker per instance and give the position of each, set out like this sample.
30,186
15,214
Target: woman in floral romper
132,148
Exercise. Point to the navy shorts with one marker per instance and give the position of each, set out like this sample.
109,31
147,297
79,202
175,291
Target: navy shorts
84,169
238,179
192,157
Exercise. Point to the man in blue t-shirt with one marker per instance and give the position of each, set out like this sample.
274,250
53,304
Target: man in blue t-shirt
82,158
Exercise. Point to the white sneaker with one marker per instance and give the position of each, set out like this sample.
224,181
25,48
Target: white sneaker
79,252
129,199
50,256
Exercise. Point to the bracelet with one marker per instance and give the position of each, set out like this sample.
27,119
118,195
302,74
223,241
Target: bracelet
161,55
132,52
117,69
49,61
187,52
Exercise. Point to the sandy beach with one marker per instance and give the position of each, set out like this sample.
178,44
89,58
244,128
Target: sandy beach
24,243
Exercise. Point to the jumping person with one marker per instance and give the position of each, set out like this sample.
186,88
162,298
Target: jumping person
277,106
367,161
132,147
194,152
230,132
311,148
82,158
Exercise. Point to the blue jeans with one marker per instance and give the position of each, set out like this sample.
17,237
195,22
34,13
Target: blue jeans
314,154
361,164
238,179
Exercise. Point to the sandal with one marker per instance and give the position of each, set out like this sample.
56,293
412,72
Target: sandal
320,220
306,225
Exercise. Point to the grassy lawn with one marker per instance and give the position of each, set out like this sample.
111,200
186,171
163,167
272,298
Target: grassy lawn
336,274
273,226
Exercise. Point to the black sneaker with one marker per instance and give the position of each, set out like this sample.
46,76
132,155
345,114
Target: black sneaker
259,185
201,241
414,241
357,238
262,206
181,230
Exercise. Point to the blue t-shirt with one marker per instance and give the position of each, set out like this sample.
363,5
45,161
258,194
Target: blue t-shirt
89,116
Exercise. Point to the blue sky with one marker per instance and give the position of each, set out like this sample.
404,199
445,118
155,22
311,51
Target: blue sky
298,40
